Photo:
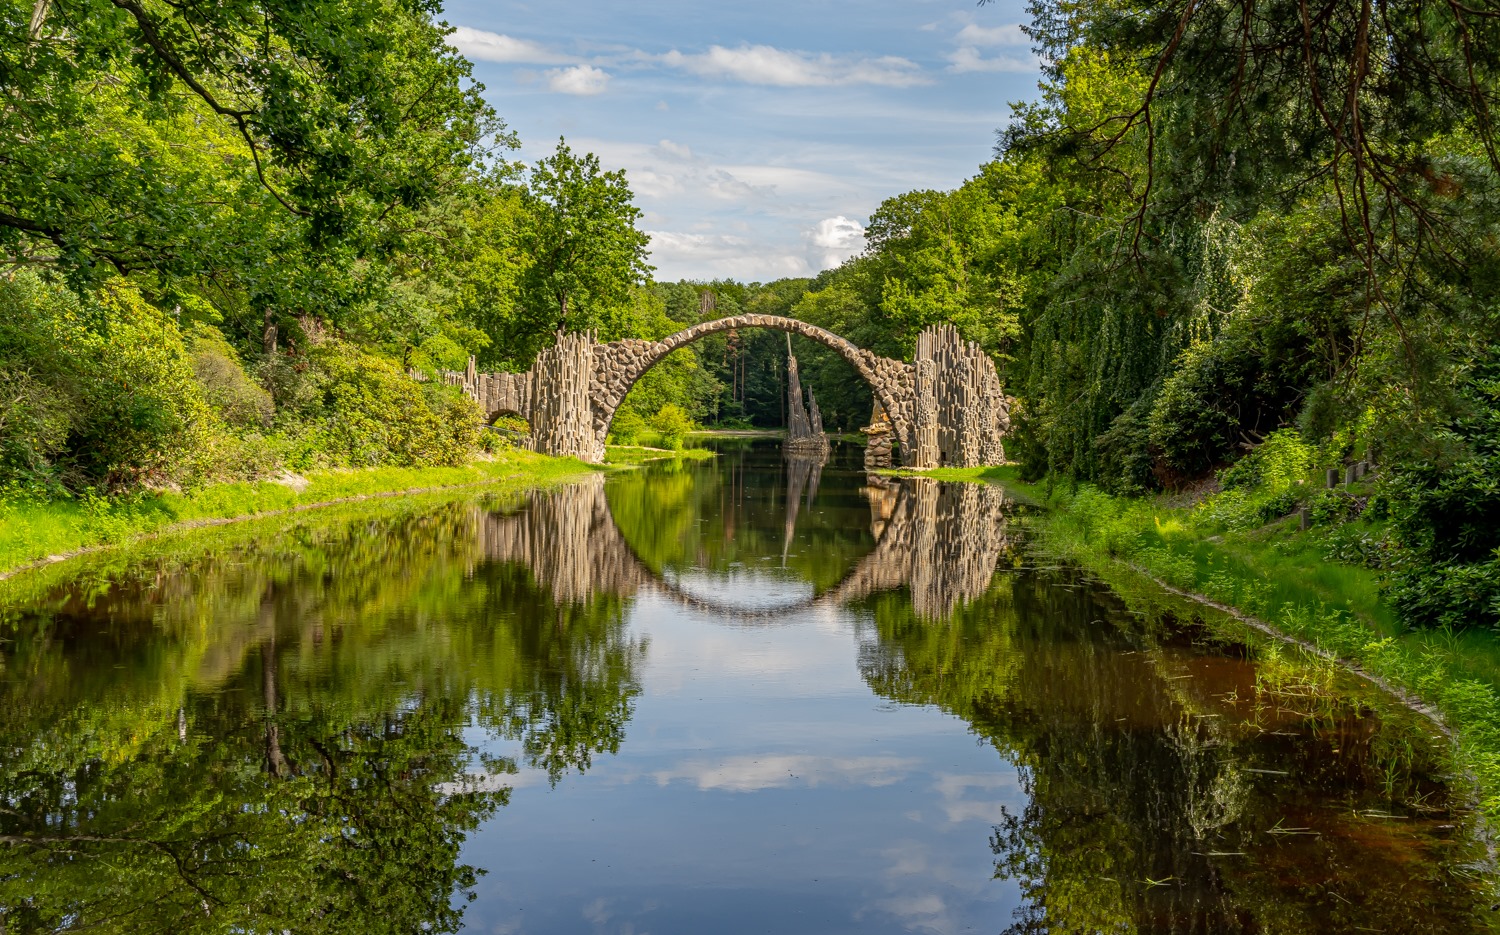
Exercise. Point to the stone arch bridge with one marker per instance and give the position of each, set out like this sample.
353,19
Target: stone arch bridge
946,407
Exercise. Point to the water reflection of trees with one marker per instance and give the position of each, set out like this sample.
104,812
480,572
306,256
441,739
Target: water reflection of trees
1176,786
274,739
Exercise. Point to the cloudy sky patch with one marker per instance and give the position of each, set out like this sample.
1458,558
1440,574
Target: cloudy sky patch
580,79
758,139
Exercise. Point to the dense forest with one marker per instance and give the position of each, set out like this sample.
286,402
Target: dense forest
1230,244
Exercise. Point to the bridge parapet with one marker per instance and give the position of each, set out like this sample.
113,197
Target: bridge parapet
496,393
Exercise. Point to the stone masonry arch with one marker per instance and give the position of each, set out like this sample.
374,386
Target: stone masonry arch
946,408
618,365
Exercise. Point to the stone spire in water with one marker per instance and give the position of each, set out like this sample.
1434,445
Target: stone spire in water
804,432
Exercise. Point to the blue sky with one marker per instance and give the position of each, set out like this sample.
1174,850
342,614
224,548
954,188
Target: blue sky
757,137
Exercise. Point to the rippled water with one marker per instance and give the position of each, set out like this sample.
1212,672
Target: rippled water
746,695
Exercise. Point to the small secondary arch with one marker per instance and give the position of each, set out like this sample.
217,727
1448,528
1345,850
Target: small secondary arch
496,415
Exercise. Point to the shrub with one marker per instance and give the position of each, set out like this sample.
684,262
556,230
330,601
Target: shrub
1266,484
238,400
104,393
371,413
1125,463
1276,466
673,424
1194,422
34,424
627,427
1446,518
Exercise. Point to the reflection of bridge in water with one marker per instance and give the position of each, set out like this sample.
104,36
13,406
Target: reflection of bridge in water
943,541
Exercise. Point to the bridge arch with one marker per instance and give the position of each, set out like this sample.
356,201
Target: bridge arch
617,366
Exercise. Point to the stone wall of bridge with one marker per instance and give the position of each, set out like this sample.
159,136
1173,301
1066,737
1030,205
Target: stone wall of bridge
496,393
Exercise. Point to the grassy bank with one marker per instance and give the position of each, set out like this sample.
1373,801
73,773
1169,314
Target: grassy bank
1282,576
625,455
32,533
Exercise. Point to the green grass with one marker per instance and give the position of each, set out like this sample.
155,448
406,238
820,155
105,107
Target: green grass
1279,575
1008,475
32,532
640,454
1005,473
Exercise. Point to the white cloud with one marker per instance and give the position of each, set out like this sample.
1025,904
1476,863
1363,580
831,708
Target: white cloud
752,773
786,179
764,64
974,34
836,239
969,59
679,255
580,79
676,150
479,45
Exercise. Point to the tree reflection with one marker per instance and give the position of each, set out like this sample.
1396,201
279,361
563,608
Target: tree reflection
274,738
1175,785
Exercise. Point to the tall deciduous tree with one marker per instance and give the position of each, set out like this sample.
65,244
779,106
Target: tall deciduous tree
585,250
265,146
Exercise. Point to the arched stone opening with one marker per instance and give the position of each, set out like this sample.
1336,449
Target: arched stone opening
495,416
618,366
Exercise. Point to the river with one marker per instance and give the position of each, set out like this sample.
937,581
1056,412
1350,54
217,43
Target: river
750,694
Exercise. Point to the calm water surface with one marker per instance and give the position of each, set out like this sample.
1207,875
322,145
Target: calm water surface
746,695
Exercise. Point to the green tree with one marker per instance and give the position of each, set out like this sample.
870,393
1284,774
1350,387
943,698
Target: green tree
260,155
584,250
673,424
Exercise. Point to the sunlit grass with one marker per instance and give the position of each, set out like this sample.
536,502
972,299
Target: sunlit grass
640,454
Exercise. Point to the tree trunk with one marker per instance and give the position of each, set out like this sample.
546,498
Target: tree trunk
268,336
275,759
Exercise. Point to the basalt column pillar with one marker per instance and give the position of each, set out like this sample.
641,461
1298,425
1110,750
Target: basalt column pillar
562,421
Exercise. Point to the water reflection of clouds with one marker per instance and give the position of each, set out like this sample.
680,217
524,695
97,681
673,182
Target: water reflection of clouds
812,655
745,589
773,771
914,868
922,911
957,806
472,783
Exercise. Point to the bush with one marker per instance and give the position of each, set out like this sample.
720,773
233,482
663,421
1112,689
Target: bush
1266,484
237,399
1125,463
102,390
673,424
371,413
627,427
34,424
1195,421
1446,518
